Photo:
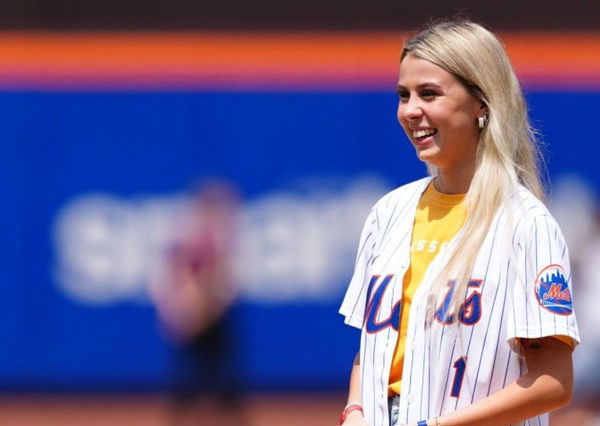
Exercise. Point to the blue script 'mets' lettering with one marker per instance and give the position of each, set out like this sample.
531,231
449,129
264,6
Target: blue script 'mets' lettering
470,309
374,304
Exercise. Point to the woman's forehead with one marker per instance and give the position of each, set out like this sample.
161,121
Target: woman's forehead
415,70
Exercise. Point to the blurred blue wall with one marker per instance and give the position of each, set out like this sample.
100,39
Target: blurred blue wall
59,147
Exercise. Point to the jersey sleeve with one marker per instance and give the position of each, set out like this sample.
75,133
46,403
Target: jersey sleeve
353,306
542,300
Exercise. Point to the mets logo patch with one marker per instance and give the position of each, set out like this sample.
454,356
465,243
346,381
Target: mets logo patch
552,291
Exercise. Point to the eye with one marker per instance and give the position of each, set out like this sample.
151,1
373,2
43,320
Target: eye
428,94
403,94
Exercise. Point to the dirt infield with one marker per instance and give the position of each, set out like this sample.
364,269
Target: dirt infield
144,410
288,409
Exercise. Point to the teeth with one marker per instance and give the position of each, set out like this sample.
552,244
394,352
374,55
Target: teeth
422,133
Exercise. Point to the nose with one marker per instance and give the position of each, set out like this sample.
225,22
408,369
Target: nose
410,109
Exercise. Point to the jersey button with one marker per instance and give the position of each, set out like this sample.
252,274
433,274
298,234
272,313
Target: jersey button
410,399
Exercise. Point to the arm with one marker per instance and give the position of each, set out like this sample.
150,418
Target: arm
546,386
355,418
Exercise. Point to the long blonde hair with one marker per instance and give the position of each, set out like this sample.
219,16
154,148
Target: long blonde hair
507,153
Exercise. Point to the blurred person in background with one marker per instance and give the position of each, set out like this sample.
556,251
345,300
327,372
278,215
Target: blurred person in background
193,296
462,285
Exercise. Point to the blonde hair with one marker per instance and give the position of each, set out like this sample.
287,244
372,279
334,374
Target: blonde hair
507,153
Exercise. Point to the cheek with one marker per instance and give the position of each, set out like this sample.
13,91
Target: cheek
462,134
469,124
460,120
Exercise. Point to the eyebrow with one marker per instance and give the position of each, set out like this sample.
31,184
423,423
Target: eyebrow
421,86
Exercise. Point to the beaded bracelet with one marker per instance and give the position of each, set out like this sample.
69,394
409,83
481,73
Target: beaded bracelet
348,409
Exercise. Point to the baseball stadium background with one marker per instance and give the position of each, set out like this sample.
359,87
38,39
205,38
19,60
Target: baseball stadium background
112,112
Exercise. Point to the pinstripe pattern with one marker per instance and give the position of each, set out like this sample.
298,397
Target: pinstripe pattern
518,247
389,227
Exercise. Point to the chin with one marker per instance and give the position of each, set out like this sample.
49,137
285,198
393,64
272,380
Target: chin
427,157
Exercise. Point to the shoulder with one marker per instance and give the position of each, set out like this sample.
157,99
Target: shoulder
391,206
401,195
530,212
527,206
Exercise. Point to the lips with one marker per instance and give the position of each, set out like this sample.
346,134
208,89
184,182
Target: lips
422,138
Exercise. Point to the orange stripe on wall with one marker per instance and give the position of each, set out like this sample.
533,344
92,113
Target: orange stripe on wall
262,61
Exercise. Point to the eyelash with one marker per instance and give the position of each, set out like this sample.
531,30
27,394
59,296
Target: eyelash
425,94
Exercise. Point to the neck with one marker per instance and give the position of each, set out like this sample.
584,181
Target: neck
455,181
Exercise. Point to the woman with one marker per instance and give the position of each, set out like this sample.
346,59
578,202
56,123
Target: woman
462,281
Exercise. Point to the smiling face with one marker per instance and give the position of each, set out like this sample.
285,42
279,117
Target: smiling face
438,115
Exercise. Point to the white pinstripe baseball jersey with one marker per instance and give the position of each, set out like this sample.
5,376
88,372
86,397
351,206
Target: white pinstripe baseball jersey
520,287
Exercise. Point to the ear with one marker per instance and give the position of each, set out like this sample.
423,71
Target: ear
483,109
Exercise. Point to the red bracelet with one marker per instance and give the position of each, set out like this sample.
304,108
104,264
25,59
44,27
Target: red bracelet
347,410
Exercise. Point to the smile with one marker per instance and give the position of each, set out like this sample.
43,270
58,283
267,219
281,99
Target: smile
420,134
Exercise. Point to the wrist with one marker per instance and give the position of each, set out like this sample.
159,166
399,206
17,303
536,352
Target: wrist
432,422
352,409
354,402
354,413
